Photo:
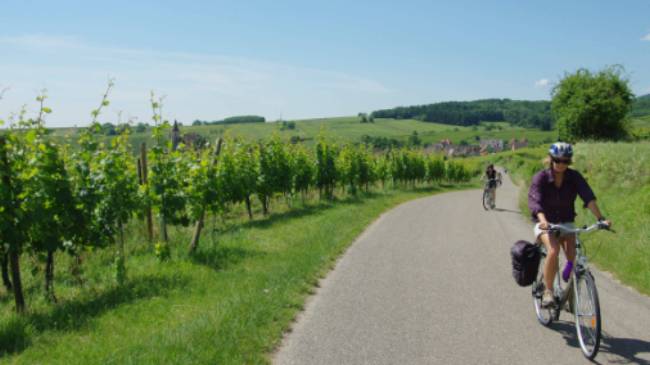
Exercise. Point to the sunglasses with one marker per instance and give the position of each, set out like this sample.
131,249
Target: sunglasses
562,161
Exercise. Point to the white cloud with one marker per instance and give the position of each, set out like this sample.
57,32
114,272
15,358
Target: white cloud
197,85
39,41
542,83
646,37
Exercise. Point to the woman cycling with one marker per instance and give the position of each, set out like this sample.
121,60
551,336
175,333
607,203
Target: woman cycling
491,177
551,199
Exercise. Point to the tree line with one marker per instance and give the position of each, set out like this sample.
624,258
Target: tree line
532,114
232,120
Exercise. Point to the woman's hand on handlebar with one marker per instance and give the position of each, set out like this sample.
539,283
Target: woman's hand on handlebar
606,223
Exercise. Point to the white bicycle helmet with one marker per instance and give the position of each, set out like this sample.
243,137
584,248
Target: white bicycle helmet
561,150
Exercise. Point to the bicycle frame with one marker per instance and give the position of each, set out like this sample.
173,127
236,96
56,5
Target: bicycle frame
581,265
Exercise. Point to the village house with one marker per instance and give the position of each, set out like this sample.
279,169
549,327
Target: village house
491,146
442,146
464,151
446,147
193,140
517,144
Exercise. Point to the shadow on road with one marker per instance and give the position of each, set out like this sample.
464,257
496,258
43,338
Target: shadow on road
507,210
626,349
568,331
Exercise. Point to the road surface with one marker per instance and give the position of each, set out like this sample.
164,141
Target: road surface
429,282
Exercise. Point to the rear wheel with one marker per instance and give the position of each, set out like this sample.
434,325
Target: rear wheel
587,314
544,315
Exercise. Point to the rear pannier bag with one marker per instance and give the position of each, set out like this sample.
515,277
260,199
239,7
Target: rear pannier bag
525,262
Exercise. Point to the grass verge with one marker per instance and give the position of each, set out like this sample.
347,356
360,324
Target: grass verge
228,304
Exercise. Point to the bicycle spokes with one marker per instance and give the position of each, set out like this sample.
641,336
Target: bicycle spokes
544,315
587,315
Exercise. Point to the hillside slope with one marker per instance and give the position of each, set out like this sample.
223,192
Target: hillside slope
641,106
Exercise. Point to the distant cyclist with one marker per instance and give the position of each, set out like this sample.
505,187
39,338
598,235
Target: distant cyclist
551,199
492,178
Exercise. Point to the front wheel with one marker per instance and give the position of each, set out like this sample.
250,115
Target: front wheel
486,199
587,314
544,315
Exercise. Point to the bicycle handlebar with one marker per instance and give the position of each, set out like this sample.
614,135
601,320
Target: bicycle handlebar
584,229
498,181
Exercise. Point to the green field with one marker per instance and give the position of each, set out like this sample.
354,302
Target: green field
342,128
640,127
643,121
349,129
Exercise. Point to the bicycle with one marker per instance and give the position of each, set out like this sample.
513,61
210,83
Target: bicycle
488,202
579,295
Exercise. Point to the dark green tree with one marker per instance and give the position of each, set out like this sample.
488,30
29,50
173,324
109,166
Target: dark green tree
414,140
590,105
141,127
109,129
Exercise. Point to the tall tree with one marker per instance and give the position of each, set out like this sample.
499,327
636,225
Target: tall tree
590,105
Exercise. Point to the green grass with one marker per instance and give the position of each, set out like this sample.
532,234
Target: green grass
643,121
619,174
534,136
227,304
640,127
349,128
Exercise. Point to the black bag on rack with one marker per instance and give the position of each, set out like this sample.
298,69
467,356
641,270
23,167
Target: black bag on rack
525,262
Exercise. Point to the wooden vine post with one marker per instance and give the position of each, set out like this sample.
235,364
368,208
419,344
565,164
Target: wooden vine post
199,224
142,167
14,258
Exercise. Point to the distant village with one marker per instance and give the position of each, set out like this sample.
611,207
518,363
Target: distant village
485,146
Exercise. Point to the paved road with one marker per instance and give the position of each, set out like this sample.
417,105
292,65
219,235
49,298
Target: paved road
429,283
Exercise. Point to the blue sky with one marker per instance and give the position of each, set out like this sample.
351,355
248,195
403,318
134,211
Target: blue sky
301,59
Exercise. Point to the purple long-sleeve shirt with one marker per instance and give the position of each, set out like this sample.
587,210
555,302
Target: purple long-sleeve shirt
557,204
